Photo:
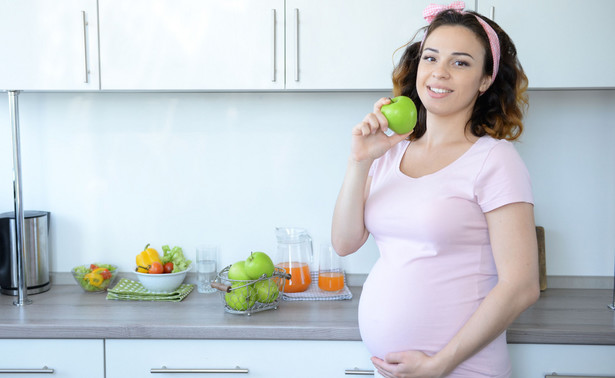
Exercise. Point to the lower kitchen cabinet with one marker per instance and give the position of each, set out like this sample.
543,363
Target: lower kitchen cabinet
546,360
229,358
61,358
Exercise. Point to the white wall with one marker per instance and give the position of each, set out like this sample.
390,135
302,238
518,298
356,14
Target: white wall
119,170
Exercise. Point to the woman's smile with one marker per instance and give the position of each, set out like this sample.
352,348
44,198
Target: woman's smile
438,92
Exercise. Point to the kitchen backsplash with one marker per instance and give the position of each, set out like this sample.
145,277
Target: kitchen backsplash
120,170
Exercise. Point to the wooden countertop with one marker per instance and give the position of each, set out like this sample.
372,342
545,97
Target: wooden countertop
561,316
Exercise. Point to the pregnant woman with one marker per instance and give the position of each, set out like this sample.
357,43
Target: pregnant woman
449,205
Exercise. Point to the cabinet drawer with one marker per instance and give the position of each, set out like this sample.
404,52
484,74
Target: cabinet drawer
60,358
578,361
229,358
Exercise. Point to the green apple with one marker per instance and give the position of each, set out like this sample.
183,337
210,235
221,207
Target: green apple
266,291
257,264
401,114
241,297
237,271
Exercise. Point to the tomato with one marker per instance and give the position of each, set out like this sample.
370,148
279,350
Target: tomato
105,273
93,266
155,268
168,267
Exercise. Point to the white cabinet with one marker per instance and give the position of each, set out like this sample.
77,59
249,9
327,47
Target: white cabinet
265,45
347,44
62,358
561,44
253,45
191,44
48,45
540,360
260,358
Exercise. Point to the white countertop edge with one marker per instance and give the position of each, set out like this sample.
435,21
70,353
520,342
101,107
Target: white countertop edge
354,279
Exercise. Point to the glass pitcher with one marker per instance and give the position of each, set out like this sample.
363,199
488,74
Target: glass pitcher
295,256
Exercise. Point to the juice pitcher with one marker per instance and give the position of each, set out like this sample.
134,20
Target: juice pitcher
295,256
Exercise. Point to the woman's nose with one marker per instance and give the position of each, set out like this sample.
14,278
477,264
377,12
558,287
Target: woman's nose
440,72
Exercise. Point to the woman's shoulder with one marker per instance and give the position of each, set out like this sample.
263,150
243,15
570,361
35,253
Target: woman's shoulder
488,146
391,158
395,152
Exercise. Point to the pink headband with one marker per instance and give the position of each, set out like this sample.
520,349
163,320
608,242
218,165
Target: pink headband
433,10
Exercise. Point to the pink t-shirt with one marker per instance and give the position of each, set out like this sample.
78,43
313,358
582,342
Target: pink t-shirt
436,263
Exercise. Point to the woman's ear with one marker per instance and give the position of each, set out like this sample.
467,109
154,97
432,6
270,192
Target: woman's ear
484,83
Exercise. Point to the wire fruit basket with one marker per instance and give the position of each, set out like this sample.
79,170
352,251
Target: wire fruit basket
246,297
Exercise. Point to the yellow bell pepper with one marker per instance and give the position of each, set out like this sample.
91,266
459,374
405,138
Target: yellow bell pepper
146,258
95,278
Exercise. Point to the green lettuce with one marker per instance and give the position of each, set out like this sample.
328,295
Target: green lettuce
176,256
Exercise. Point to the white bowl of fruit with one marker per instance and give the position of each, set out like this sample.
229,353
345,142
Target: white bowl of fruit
162,274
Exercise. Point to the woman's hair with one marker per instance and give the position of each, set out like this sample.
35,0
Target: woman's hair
499,111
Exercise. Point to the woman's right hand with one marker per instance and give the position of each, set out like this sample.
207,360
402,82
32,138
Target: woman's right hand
369,140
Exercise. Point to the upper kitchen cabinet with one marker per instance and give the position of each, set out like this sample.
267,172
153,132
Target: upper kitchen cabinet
560,44
48,45
192,44
253,45
347,44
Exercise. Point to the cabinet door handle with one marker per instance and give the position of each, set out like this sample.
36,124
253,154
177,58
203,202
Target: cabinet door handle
492,13
296,44
85,45
44,370
356,371
164,369
273,45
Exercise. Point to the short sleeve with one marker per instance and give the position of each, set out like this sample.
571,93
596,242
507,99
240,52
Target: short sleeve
503,179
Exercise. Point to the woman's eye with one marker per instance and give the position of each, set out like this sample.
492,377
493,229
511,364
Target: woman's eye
429,58
461,63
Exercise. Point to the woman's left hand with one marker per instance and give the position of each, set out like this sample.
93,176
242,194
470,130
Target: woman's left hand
409,364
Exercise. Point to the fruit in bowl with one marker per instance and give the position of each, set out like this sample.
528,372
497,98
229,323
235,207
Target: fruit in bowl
163,282
95,277
162,274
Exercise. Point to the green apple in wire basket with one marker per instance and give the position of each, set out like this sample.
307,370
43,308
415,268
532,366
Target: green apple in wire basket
240,298
267,291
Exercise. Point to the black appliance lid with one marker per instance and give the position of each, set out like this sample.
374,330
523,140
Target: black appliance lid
26,214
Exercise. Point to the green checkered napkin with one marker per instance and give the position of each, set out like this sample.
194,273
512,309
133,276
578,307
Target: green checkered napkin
129,290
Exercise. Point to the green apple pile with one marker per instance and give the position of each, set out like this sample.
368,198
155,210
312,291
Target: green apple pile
245,293
401,114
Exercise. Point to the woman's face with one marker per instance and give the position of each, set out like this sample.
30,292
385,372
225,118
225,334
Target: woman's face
450,73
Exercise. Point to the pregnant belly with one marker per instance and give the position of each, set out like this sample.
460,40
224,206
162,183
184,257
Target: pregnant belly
413,307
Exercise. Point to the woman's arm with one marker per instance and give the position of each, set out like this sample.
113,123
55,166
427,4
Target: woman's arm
348,232
369,142
513,239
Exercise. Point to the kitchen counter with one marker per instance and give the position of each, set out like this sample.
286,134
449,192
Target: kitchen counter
561,316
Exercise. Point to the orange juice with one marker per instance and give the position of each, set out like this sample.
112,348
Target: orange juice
331,281
300,276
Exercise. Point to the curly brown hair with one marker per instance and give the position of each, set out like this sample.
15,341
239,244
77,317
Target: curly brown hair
499,111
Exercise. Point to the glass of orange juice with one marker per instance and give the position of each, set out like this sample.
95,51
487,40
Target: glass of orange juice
330,272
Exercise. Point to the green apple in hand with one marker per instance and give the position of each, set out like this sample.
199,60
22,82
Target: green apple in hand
240,298
237,271
401,114
267,291
257,264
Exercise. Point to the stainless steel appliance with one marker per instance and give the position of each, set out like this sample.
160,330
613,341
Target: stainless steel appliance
36,233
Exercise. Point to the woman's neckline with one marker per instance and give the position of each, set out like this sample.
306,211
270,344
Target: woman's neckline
439,171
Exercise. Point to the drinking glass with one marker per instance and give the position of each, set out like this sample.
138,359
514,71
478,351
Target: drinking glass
330,272
206,267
